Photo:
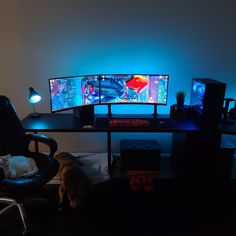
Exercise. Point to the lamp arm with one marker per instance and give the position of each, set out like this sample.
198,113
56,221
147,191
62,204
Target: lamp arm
34,114
34,108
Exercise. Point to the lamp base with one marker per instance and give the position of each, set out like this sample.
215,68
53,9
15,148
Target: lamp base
35,115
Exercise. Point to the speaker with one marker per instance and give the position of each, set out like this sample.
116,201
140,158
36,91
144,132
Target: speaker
85,114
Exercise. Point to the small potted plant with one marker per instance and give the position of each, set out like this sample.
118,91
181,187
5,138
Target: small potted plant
180,98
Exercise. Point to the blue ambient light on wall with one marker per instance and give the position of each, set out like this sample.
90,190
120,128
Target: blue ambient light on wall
34,97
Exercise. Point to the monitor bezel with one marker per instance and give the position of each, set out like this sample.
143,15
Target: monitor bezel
136,103
106,103
72,107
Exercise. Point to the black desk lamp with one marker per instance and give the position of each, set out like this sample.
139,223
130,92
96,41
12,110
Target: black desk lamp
34,97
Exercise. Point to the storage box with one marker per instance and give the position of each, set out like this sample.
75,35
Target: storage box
139,154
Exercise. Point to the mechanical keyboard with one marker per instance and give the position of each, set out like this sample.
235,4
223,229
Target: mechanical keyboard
128,123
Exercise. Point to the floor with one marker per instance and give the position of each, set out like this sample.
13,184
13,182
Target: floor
113,209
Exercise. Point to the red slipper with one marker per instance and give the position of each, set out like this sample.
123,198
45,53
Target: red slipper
148,184
135,184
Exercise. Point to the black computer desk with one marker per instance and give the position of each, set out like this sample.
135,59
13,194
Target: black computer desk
64,122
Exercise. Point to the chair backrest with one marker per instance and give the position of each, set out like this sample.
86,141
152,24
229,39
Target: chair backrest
12,134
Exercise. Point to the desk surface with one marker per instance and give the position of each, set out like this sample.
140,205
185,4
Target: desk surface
62,122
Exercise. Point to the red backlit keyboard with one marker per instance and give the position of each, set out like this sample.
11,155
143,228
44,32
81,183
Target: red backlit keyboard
120,123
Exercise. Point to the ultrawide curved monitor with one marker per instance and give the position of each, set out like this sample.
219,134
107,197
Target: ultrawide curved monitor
74,91
134,88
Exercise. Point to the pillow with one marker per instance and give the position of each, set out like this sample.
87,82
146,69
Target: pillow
18,166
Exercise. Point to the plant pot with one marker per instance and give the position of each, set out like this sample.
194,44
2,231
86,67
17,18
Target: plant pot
179,112
180,103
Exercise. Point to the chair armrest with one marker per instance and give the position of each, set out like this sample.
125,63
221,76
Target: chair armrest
50,142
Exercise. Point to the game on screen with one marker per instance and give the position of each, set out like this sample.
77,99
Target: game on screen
69,92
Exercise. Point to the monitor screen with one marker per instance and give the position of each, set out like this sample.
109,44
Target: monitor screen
74,91
197,95
134,88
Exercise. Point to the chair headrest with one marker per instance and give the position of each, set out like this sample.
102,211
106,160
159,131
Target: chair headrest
4,101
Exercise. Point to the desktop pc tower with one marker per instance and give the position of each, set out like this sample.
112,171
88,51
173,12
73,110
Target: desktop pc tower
196,156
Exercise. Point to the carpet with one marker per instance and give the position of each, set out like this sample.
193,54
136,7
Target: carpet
113,210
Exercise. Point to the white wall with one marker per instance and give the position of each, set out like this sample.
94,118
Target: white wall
43,39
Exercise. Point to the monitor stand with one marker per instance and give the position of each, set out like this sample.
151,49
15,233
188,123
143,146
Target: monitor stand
109,113
155,111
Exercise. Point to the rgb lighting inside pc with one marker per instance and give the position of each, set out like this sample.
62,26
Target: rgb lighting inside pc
197,95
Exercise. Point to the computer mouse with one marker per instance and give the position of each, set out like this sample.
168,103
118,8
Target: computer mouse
162,123
87,127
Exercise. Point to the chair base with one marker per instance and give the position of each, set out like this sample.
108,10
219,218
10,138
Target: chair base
13,203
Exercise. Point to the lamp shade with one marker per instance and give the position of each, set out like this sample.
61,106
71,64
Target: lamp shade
34,97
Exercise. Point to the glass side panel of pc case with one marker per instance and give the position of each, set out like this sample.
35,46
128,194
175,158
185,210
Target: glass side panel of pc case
197,95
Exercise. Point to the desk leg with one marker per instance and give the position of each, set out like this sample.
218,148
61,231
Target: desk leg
36,144
109,151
